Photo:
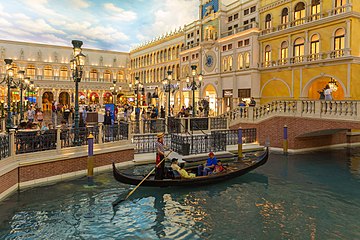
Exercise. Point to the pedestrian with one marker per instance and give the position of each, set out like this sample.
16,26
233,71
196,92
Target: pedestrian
252,102
327,93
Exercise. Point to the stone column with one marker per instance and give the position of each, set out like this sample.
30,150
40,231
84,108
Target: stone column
101,133
12,147
58,140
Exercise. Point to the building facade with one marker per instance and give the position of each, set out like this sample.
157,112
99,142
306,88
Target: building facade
48,67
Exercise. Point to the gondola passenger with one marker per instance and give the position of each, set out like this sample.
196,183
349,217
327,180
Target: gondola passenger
219,167
183,173
210,164
160,154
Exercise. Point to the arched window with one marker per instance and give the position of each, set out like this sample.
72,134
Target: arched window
93,75
339,42
299,49
30,71
284,52
339,5
268,21
247,59
299,13
225,64
230,63
107,76
120,76
314,47
63,73
240,61
48,71
284,17
315,9
267,56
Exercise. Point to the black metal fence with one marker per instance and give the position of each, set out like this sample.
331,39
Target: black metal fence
67,136
115,132
174,125
197,124
193,144
218,123
145,143
28,141
248,134
4,146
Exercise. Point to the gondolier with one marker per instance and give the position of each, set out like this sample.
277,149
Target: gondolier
160,154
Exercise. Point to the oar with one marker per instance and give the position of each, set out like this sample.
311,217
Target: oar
130,193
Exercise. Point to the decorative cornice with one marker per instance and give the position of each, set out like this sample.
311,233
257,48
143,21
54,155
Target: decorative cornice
273,5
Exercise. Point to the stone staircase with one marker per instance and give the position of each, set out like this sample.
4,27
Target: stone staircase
347,110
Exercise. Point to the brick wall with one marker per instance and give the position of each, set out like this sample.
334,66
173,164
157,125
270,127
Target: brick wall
43,170
273,129
8,180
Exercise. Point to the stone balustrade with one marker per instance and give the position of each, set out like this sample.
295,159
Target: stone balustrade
335,110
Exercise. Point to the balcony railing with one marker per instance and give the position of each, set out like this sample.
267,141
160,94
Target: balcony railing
307,58
311,18
239,29
189,46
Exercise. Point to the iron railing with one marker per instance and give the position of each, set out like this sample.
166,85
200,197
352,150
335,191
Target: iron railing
174,125
115,132
4,146
28,141
194,144
218,123
67,136
198,124
248,135
145,143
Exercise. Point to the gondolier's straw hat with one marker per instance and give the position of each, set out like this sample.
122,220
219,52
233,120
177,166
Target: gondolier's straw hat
159,135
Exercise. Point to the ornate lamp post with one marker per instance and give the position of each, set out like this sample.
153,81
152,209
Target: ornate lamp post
194,85
138,86
114,91
168,87
22,84
8,79
77,66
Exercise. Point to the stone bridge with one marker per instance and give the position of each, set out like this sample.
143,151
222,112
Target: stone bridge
311,124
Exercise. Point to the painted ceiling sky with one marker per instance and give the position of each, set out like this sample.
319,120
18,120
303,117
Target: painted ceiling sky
101,24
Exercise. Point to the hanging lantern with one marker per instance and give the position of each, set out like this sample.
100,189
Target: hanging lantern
333,85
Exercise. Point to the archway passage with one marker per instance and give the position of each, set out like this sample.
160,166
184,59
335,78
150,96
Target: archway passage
82,98
318,86
94,98
64,99
208,104
47,99
108,98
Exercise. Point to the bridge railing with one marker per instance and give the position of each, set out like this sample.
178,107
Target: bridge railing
345,110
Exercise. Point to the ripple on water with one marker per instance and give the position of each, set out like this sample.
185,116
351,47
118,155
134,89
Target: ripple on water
301,197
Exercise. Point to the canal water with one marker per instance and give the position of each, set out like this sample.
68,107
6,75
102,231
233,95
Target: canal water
306,196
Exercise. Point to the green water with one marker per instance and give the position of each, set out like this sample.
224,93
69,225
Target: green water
307,196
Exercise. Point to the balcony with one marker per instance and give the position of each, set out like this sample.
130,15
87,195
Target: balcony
240,29
315,17
306,59
189,46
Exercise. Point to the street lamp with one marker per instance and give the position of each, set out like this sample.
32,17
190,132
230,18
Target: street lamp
137,87
77,66
22,84
114,91
8,78
168,87
194,85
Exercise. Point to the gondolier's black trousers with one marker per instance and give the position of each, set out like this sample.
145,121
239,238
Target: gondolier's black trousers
160,170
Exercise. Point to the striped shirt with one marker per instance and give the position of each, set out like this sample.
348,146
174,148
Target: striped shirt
160,147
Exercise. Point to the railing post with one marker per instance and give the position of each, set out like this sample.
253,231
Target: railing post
299,108
189,124
101,133
209,124
90,160
182,125
141,126
58,139
250,114
3,125
12,142
317,109
286,143
166,125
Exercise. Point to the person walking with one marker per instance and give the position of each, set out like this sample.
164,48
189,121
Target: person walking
327,93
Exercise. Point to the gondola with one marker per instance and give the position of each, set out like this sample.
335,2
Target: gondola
235,169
